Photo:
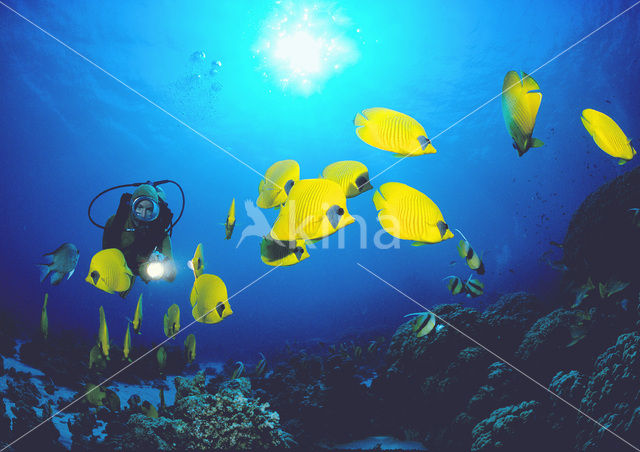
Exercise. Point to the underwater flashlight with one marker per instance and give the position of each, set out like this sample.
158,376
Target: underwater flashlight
155,270
155,266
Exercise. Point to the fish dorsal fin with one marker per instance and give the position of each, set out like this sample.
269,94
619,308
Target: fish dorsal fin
528,83
359,120
376,113
460,232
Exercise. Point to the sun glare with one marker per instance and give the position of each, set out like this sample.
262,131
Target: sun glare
301,52
303,46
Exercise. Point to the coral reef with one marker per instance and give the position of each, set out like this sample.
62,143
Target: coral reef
602,241
199,420
29,411
515,427
510,317
612,397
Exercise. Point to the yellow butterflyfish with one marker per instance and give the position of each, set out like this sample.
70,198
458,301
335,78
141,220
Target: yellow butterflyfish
352,176
315,209
231,220
172,321
126,349
521,98
209,299
108,271
276,253
279,179
408,214
392,131
197,262
137,316
608,135
103,335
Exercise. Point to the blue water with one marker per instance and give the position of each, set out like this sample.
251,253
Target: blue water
68,131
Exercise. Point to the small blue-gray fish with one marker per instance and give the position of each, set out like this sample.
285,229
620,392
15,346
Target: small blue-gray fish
63,263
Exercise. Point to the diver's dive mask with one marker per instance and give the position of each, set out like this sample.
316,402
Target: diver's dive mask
145,209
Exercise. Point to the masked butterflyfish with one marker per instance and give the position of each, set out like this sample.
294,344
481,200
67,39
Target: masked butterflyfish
197,262
96,359
126,348
103,335
467,252
521,98
473,287
172,321
392,131
108,271
190,348
161,357
279,179
423,323
275,253
137,317
163,405
95,395
44,319
63,263
148,410
455,284
315,209
111,400
408,214
608,135
231,220
352,176
209,299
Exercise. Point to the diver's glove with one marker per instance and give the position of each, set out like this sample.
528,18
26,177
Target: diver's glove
156,256
157,267
168,265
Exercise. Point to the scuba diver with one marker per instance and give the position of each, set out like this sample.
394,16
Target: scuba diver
141,229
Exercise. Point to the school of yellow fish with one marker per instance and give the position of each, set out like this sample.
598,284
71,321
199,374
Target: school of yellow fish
312,209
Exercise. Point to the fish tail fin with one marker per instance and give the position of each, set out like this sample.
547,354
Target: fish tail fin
359,120
536,143
44,271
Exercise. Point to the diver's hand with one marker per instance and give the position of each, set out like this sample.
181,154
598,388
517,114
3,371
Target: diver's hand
169,270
